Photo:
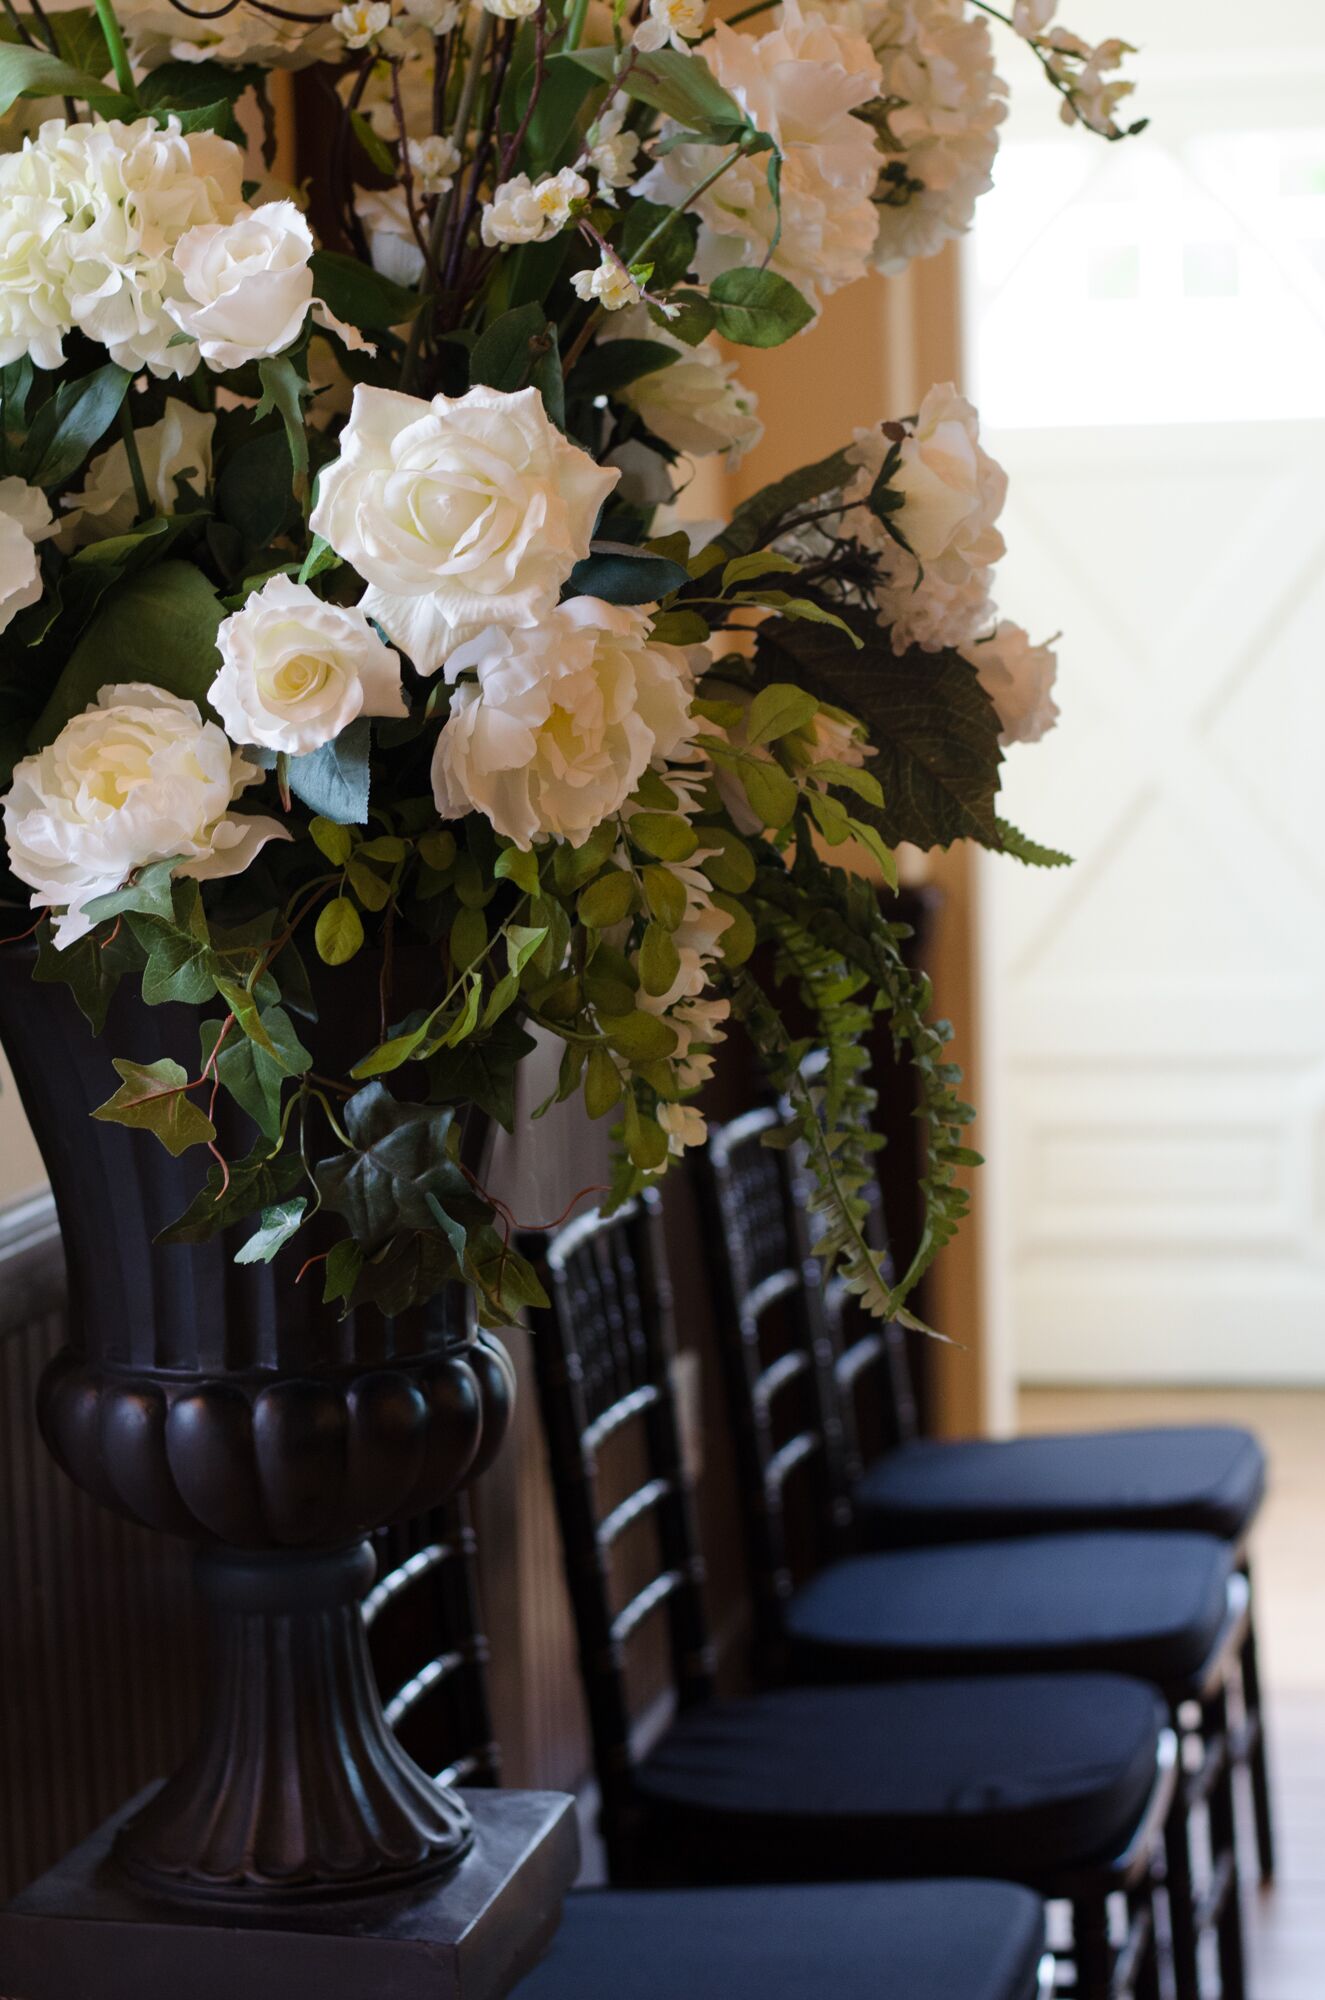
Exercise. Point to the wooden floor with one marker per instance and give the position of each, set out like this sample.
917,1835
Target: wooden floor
1286,1925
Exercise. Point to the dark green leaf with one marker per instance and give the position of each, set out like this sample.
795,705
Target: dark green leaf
483,1072
254,1078
757,519
66,427
625,576
503,355
613,364
333,781
90,967
758,308
151,893
29,72
357,293
284,389
1022,848
162,623
682,87
398,1159
255,1182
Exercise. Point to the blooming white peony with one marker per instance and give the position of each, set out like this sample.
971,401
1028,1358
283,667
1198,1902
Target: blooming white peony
295,671
953,492
1019,680
801,82
158,32
178,446
525,211
609,283
392,245
25,520
671,23
459,513
695,404
249,284
126,194
136,778
560,723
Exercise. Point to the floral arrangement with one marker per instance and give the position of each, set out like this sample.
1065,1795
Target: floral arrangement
346,611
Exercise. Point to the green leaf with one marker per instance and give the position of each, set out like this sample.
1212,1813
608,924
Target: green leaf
758,308
333,781
777,710
503,355
151,893
639,1036
607,901
357,293
693,322
623,575
614,364
179,965
398,1156
28,72
254,1077
331,839
680,627
645,1140
760,562
797,609
1022,848
738,940
368,885
374,148
514,864
731,866
483,1072
666,836
258,1181
321,556
665,896
469,936
162,623
933,726
771,793
90,967
341,1274
65,429
284,389
682,87
522,941
278,1225
153,1097
438,850
671,254
757,519
572,867
659,960
338,934
602,1083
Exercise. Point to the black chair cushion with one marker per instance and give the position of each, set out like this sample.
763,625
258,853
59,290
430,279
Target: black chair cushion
1207,1479
868,1941
1149,1605
1002,1777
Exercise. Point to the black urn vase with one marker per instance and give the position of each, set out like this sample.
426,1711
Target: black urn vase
226,1403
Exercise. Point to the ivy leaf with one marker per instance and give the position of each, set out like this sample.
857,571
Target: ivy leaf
90,968
278,1225
153,1096
483,1072
344,1263
333,781
397,1158
150,894
254,1078
258,1181
180,965
758,308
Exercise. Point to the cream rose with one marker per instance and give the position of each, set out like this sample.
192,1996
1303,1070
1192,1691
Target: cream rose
459,513
25,520
178,446
136,778
295,671
696,403
559,723
1019,679
249,284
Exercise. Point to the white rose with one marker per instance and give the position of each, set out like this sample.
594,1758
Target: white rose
25,520
295,671
525,211
953,493
459,513
392,245
128,193
178,446
695,404
136,778
801,82
249,284
1019,680
561,722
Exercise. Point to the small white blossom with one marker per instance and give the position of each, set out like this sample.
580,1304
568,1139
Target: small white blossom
610,283
525,211
361,22
612,151
434,162
1082,71
393,247
684,1124
1031,17
438,16
671,21
25,520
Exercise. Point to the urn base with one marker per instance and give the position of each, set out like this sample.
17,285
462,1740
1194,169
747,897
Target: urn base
85,1931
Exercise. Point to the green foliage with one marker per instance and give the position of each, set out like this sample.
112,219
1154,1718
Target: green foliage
622,575
333,782
758,308
360,295
1012,842
32,72
67,426
170,615
679,86
154,1096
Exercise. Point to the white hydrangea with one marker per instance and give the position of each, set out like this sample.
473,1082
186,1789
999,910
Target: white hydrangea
937,589
1019,679
609,283
25,520
801,82
944,103
695,404
34,316
525,211
671,23
125,195
178,446
511,10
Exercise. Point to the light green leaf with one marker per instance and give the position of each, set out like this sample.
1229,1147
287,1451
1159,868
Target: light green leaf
607,901
666,836
278,1225
659,960
522,941
602,1083
682,87
771,793
778,709
760,562
153,1096
639,1036
29,72
513,864
339,932
758,308
331,839
665,896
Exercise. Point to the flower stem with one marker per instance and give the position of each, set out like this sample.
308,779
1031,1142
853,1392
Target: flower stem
140,492
119,55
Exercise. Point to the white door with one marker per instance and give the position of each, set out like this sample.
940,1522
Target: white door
1148,349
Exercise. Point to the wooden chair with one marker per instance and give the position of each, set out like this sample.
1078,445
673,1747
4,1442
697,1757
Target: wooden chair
1062,1784
951,1940
1163,1605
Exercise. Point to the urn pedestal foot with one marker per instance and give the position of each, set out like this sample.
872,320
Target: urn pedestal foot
86,1931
